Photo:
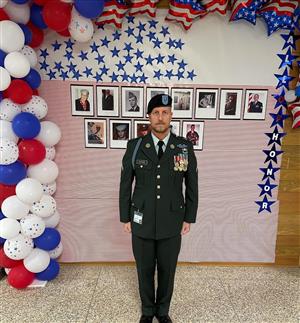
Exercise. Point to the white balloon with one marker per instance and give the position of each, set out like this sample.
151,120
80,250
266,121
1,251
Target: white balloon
30,54
37,261
50,152
53,220
8,109
50,188
9,151
17,64
290,96
56,252
45,172
18,247
80,28
6,131
36,106
50,133
19,13
45,207
9,228
3,3
32,226
29,190
5,79
13,208
12,36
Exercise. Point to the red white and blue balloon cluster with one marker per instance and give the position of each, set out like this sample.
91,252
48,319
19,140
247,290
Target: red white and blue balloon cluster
29,240
285,99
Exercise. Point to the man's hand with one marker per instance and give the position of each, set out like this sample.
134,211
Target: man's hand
185,228
127,227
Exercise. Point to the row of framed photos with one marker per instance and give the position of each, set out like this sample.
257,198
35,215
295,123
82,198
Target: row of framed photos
203,105
97,134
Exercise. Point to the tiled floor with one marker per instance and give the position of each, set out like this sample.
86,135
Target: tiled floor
109,294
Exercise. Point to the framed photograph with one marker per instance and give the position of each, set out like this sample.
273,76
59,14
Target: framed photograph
82,100
194,131
132,102
175,127
107,101
141,128
206,103
95,133
182,102
152,91
120,133
255,104
231,104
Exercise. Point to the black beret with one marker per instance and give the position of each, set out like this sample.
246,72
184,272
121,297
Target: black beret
159,100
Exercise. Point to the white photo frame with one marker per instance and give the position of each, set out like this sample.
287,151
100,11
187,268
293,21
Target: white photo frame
194,132
95,131
132,102
152,91
107,101
141,128
119,133
175,127
230,104
182,102
82,100
255,104
206,103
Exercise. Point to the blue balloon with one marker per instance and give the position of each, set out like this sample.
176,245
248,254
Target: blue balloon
50,272
1,96
2,57
33,78
49,240
2,216
27,33
2,240
36,16
297,91
13,173
89,9
26,125
19,1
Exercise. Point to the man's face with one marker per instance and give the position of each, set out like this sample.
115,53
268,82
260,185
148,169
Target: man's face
192,128
132,101
160,119
256,97
230,99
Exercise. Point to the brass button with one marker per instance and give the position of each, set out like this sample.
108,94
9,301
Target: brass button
141,166
158,197
158,186
158,176
158,166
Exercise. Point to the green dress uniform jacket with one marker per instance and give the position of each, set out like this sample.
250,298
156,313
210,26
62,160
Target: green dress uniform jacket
158,192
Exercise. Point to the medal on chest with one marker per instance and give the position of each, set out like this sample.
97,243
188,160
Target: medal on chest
181,161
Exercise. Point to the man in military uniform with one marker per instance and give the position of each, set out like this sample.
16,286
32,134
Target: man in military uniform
192,135
157,213
255,106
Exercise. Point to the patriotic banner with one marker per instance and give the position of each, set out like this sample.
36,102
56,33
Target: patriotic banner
220,6
143,7
295,110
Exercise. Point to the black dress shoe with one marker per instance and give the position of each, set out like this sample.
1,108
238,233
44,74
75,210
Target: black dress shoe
164,319
146,319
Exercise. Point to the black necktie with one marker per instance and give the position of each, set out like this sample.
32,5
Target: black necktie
160,150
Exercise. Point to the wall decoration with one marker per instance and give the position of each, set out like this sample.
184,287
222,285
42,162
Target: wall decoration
206,103
82,100
230,104
175,127
120,133
255,104
194,132
132,102
95,133
152,91
141,128
182,102
107,101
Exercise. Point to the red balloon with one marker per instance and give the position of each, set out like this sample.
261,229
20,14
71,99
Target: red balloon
5,192
64,33
19,91
57,15
40,2
20,277
35,92
37,35
3,15
31,151
6,262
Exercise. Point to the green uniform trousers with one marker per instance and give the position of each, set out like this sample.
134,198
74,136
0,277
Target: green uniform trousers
148,253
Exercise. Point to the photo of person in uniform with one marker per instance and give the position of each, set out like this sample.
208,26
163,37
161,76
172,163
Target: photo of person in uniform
143,129
133,102
255,106
206,100
107,100
230,105
82,103
94,133
182,100
120,131
157,228
193,135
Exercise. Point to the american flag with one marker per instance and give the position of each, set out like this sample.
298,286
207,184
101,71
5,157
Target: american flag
113,13
246,9
278,14
143,6
295,110
184,12
219,6
250,100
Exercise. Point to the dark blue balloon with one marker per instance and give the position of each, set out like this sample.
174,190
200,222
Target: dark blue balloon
26,125
19,1
27,33
297,91
2,240
33,78
2,216
89,9
1,96
36,16
50,272
13,173
2,57
49,240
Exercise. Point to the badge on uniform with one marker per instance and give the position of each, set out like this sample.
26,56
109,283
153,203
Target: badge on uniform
181,161
137,217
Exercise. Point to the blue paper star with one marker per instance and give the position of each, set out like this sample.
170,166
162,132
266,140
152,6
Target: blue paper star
151,35
171,43
100,59
269,172
44,65
69,43
44,53
141,27
125,77
272,154
129,31
191,75
182,64
172,59
164,31
116,35
134,78
160,59
152,23
58,66
105,41
284,79
98,77
265,204
179,75
289,40
71,67
139,39
149,60
104,70
83,55
94,47
120,66
51,75
156,42
76,74
287,59
138,67
278,118
88,71
115,52
138,53
169,74
63,75
179,44
143,78
68,55
130,19
275,136
128,58
157,74
56,46
280,99
128,47
266,188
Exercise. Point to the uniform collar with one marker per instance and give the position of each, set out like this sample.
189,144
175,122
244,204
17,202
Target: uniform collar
156,140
